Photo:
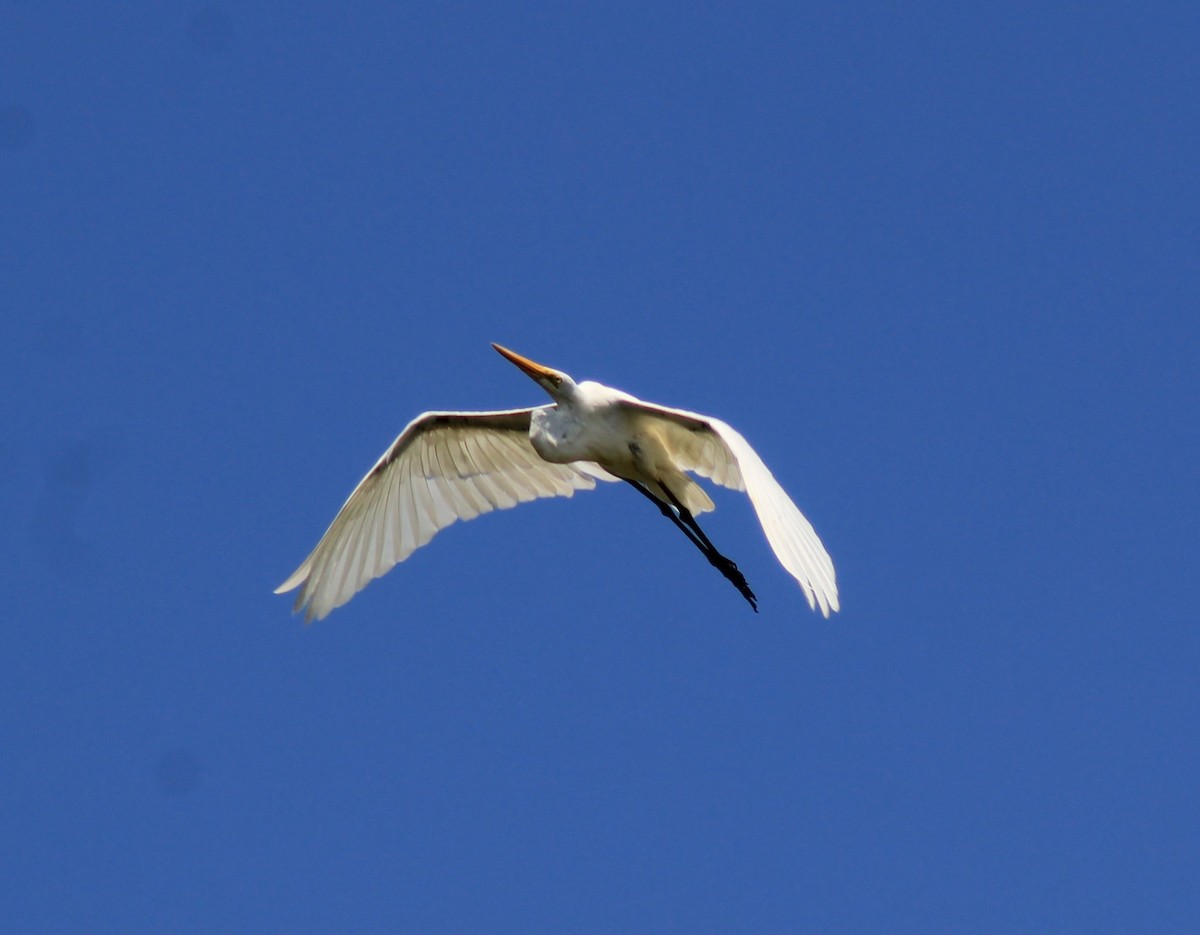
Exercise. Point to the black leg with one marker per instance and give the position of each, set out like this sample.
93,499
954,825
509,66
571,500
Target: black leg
670,514
686,523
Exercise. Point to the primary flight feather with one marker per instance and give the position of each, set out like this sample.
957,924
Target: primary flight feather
447,466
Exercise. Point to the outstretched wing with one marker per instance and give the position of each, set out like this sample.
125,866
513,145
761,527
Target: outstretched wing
445,466
714,449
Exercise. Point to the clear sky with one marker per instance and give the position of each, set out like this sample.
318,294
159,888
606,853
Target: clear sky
938,261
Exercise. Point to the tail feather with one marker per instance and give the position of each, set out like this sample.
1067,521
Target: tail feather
690,494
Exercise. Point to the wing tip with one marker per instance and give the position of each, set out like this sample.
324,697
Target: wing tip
825,602
832,604
305,602
296,578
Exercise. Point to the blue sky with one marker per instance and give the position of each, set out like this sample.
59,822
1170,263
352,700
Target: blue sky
937,261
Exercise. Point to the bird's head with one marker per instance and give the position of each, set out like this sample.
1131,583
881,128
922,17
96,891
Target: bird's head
558,384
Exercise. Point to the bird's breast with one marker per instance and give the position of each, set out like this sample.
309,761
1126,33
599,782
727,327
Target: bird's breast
562,436
555,436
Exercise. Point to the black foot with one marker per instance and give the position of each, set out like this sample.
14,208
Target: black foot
736,578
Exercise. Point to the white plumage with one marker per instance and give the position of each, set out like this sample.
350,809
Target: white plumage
447,466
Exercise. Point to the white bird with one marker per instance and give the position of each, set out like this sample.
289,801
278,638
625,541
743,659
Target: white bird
447,466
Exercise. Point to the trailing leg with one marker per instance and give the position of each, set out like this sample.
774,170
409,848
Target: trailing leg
687,524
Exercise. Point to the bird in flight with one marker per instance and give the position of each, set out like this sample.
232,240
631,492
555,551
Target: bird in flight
447,466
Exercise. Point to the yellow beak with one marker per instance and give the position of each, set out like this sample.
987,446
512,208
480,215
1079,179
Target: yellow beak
535,370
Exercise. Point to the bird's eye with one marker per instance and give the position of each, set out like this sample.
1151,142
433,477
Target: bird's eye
556,380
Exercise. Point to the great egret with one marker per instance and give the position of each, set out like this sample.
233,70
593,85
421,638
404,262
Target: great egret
447,466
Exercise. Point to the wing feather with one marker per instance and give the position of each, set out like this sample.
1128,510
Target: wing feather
444,466
469,502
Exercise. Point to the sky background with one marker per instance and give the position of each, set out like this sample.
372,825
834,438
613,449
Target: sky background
938,261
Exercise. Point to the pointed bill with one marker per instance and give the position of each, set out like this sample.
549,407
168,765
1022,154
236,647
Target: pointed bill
532,368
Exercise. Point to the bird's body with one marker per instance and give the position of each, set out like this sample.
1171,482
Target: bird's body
447,466
618,432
